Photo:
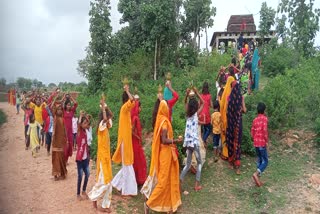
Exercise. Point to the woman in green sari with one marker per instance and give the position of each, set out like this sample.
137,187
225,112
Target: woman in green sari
255,70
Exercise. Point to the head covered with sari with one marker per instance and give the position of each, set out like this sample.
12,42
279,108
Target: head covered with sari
162,119
224,101
135,120
255,69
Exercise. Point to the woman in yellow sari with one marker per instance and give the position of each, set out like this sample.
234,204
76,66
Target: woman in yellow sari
162,185
223,111
103,187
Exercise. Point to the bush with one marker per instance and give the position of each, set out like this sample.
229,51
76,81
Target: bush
3,117
277,60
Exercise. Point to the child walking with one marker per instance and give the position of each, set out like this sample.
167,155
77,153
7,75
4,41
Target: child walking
27,112
259,134
82,157
34,128
191,137
18,103
103,187
216,128
74,131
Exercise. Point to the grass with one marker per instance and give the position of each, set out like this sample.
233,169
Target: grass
3,117
225,192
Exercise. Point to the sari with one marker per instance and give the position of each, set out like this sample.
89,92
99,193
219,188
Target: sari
234,130
139,163
255,69
59,140
125,179
103,187
67,117
162,185
223,111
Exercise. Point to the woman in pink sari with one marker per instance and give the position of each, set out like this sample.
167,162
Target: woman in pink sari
68,113
139,164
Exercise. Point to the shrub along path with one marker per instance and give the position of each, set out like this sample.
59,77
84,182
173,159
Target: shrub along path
27,186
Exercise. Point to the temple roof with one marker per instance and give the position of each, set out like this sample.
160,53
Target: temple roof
241,23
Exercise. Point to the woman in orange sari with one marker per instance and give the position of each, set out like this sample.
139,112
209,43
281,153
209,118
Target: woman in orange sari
223,111
162,185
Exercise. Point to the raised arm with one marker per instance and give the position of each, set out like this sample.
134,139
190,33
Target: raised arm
201,101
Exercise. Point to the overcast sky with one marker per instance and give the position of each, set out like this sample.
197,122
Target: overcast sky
44,39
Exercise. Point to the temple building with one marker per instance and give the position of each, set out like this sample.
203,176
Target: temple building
238,24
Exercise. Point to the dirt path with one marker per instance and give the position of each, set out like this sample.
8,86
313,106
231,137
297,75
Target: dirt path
26,183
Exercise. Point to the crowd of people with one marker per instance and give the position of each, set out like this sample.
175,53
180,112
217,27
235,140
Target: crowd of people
51,120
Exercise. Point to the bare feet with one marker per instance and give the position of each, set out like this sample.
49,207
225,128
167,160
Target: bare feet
85,196
256,179
197,188
146,208
94,203
79,198
105,210
238,172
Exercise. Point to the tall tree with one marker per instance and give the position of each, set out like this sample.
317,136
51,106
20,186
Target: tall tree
198,15
281,28
304,23
159,21
267,15
99,51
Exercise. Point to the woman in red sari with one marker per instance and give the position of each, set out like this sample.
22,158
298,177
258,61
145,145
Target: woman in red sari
68,113
139,164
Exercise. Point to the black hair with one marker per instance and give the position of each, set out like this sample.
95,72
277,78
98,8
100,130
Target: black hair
155,112
31,118
234,60
125,97
193,107
231,71
216,105
108,113
66,103
221,92
205,88
261,108
81,121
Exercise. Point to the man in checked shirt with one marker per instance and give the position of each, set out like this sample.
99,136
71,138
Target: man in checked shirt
259,134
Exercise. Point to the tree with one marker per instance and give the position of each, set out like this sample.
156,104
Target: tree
267,15
24,83
198,16
281,28
52,85
3,82
159,21
304,23
100,50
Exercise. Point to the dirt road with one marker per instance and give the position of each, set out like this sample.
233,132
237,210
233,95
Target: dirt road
26,183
